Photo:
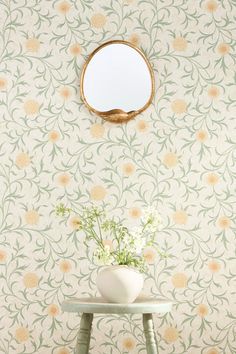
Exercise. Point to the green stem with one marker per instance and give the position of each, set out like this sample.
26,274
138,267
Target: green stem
94,236
99,228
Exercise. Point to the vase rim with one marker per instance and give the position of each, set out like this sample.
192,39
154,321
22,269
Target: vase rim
107,267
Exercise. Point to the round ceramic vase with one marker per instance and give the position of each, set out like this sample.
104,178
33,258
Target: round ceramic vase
120,284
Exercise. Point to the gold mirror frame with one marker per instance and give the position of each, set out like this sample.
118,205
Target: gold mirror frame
117,115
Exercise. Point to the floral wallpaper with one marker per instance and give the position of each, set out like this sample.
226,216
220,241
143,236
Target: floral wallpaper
178,156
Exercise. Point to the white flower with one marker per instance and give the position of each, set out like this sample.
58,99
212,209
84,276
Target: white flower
138,240
103,256
126,240
139,244
136,232
150,211
152,219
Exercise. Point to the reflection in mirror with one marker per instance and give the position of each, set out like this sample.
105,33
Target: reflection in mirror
117,81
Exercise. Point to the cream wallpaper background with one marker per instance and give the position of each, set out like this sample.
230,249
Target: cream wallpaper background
179,156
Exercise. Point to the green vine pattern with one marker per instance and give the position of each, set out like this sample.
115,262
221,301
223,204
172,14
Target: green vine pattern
178,156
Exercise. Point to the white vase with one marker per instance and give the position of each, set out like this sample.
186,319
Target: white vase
119,284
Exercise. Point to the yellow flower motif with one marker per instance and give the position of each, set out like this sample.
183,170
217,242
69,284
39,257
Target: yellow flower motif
142,126
224,222
32,45
65,266
22,160
213,92
180,217
3,83
202,310
223,48
213,351
65,92
63,351
53,310
201,135
64,7
171,334
214,266
21,334
179,106
75,222
53,136
135,213
97,130
128,169
129,343
180,44
30,280
3,256
32,217
98,193
212,179
31,107
211,5
98,20
170,160
134,39
75,49
179,280
149,255
63,179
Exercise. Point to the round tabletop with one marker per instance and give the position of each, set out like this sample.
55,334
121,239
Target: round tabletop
99,305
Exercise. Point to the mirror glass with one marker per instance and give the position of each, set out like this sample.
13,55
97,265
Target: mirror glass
117,81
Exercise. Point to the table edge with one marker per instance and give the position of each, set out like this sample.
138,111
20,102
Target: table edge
114,308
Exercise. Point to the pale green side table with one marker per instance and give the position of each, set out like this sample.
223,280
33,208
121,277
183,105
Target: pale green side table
89,306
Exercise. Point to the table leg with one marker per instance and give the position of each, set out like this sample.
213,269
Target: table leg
82,346
151,344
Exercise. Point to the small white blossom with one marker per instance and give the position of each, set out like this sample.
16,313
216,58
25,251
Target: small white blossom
152,219
138,240
127,240
128,244
136,231
139,245
103,256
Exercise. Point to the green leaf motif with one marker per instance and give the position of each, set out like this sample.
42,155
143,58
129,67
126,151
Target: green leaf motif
179,156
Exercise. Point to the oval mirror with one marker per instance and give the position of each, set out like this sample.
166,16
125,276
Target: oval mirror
117,81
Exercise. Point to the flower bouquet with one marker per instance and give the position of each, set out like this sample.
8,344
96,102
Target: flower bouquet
118,248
